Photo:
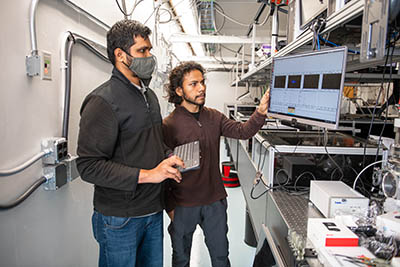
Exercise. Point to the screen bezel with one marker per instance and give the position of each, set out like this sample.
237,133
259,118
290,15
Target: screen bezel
311,121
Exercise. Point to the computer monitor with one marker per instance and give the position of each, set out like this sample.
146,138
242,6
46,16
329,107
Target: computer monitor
308,87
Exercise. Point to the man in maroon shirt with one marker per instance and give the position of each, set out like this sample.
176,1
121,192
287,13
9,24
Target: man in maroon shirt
200,198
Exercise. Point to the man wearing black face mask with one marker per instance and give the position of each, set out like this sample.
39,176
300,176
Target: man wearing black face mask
121,151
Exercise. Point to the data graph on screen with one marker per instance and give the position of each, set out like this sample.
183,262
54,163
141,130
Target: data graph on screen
308,87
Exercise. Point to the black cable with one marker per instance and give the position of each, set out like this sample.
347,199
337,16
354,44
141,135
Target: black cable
260,195
376,104
292,191
301,175
67,98
287,177
133,8
298,142
387,102
25,195
267,186
67,93
329,155
233,51
122,11
255,20
92,49
267,18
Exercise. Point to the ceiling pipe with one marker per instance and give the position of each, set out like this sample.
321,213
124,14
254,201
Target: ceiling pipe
179,24
257,17
32,21
255,21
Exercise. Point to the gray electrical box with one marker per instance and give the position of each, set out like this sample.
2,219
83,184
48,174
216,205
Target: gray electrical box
57,148
72,170
56,176
32,63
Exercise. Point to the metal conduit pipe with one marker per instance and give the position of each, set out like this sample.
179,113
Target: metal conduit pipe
32,26
83,42
32,21
25,195
66,74
256,17
25,165
67,89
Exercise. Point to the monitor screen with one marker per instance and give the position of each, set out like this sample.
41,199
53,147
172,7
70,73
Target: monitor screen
308,87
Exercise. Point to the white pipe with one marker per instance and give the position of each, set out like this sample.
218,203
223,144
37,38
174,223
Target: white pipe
24,165
358,176
275,29
243,61
32,21
32,26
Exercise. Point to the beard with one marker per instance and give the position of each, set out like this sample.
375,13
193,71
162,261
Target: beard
194,100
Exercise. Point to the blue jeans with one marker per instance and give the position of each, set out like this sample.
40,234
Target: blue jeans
129,241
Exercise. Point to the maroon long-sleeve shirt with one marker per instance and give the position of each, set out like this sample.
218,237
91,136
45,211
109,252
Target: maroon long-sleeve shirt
204,185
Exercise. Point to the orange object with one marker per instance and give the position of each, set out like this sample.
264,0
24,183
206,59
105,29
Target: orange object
280,2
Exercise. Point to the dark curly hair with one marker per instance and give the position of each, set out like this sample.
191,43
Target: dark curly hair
176,77
121,35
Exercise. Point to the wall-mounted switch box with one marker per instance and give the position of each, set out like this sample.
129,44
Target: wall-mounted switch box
32,64
57,149
72,170
45,65
56,176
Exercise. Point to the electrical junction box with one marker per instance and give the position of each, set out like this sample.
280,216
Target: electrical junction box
72,170
328,232
45,65
39,63
333,198
32,64
57,148
56,176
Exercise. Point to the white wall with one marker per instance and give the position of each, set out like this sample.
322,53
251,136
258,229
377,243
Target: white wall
52,228
49,228
219,91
